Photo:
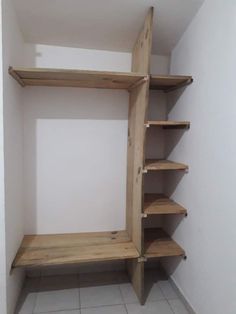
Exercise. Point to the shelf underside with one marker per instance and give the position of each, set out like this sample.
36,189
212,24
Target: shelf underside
162,164
159,244
170,124
169,82
74,78
63,249
159,204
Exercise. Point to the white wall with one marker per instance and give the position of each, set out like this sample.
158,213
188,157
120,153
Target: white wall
13,150
75,145
3,303
75,58
207,51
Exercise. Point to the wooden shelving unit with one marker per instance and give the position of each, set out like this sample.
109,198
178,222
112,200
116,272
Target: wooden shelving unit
162,164
157,243
65,249
159,204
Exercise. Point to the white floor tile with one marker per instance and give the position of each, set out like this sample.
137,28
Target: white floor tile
178,307
100,296
155,294
128,293
167,289
116,309
59,300
64,312
27,303
159,307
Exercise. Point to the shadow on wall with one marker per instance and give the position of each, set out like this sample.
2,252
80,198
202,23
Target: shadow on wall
173,222
170,264
173,97
171,180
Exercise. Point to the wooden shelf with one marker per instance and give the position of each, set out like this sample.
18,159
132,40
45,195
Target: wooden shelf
170,82
159,244
75,78
169,124
162,164
159,204
63,249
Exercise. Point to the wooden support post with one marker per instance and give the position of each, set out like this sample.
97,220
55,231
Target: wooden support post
139,98
136,273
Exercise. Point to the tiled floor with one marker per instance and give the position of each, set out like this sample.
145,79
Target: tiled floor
101,293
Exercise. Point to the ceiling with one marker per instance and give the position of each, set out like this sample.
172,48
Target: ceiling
104,24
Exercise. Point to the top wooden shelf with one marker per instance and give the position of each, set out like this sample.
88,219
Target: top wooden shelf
75,78
170,82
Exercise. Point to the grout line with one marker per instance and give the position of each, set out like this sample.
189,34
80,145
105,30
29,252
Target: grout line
126,309
101,306
170,306
78,278
121,294
123,299
37,291
57,311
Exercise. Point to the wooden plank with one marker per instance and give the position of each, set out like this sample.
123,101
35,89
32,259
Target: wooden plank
169,82
139,98
159,244
159,204
136,274
64,249
162,164
14,74
75,78
138,108
142,49
169,124
136,134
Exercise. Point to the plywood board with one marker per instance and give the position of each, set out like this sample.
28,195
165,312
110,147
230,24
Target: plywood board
142,49
74,78
136,274
159,204
159,244
169,124
169,82
162,164
65,249
139,98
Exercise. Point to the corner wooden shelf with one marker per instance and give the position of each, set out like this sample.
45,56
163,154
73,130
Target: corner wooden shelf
157,243
162,164
75,78
159,204
64,249
169,83
169,124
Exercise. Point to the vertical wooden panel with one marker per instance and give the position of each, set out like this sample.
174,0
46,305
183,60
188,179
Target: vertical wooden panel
138,108
136,273
142,48
139,98
138,104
